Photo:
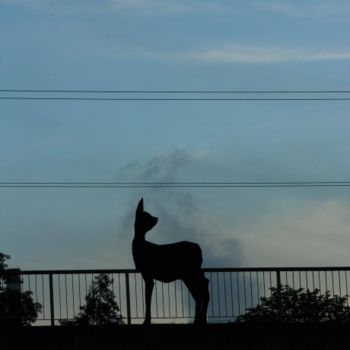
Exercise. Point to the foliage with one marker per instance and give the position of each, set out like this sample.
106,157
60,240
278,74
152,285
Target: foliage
16,308
299,305
3,267
101,307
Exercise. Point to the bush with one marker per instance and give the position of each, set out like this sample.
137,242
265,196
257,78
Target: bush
16,308
298,305
101,307
3,267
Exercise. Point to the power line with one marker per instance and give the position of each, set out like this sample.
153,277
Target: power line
175,95
177,91
173,184
171,99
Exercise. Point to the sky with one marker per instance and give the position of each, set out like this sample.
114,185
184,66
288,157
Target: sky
175,45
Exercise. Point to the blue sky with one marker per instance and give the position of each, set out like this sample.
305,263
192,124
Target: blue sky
175,45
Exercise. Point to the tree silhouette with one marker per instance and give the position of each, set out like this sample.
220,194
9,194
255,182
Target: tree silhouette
100,307
17,308
298,305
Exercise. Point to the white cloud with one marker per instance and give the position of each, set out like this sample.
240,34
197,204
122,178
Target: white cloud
157,7
307,8
291,8
251,55
142,7
316,234
167,7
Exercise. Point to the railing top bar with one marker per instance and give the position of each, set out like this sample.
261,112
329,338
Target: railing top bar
219,269
75,271
275,269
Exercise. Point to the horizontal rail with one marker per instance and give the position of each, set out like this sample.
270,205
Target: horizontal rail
205,269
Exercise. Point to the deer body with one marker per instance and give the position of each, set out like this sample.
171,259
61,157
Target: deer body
167,263
148,256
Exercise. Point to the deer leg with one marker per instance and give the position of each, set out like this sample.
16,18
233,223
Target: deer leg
204,299
149,289
198,287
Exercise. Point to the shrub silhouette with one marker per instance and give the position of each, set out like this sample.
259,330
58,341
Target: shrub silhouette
298,305
100,307
17,308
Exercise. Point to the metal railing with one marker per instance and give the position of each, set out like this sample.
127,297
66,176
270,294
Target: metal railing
232,291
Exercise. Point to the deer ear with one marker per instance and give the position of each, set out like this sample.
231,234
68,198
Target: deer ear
139,209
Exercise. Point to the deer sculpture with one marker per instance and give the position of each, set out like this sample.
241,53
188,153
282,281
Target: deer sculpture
167,263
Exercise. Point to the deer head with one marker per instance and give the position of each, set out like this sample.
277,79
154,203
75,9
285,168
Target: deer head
144,221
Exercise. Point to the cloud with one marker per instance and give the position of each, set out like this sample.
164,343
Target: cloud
139,7
231,54
308,9
179,211
167,7
236,227
303,8
242,227
304,234
292,8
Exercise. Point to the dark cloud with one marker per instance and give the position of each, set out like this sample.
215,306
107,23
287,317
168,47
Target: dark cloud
179,211
227,222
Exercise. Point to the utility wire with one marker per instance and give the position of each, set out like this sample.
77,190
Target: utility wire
174,95
171,99
172,184
178,91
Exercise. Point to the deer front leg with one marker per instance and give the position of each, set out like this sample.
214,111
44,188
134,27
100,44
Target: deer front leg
149,284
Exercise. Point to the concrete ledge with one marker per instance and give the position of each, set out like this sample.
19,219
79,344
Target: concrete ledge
273,336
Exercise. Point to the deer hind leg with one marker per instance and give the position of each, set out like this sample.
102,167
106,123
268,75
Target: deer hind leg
149,284
198,287
205,297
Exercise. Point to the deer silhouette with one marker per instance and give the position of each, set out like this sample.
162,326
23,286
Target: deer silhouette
167,263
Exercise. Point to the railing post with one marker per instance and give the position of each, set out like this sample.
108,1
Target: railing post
127,287
279,291
52,307
13,279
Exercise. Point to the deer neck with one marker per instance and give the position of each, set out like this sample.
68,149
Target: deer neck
139,237
138,250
